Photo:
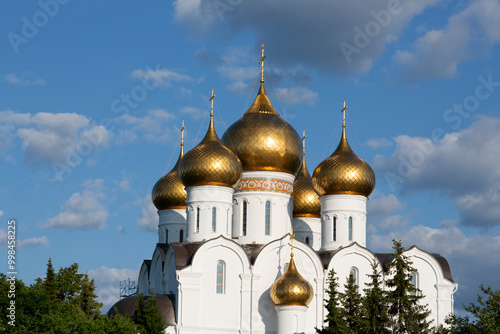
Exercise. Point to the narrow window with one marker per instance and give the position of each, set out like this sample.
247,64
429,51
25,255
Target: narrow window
197,220
245,218
166,236
307,241
354,274
214,218
268,218
181,236
413,283
220,277
334,228
350,228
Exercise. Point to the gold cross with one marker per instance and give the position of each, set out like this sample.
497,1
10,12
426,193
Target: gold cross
261,62
343,112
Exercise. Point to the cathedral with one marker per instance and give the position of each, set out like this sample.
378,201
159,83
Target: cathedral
247,237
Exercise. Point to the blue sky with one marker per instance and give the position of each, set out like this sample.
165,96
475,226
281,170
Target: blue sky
92,96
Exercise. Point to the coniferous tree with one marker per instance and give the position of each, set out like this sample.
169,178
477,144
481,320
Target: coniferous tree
148,316
86,298
375,304
352,310
49,283
335,324
408,315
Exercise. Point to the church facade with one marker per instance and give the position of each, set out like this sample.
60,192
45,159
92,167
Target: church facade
247,237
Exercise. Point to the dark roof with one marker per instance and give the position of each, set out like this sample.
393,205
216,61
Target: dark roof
127,307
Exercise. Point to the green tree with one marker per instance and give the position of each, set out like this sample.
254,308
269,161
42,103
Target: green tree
375,304
147,316
86,297
486,315
335,324
408,315
352,310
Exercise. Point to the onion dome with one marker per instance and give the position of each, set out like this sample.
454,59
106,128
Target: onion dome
262,140
210,163
343,172
305,199
168,192
291,288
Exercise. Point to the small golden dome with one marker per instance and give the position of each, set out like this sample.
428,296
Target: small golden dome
343,173
210,163
291,288
168,192
263,140
305,199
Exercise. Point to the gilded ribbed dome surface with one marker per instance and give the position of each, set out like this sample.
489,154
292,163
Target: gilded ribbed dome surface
210,163
305,199
291,288
343,173
263,140
168,192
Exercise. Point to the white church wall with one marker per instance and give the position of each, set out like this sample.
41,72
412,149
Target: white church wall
143,280
308,230
216,312
156,278
171,220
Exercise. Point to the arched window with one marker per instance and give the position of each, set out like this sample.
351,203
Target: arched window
166,236
181,236
413,283
307,241
245,204
334,228
214,218
268,218
350,228
354,274
220,277
197,229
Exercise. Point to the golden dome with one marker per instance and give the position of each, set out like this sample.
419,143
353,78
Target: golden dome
168,192
291,288
343,172
263,140
210,163
305,199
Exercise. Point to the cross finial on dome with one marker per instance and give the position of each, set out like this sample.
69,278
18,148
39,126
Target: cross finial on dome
292,237
261,62
304,142
212,109
343,113
182,133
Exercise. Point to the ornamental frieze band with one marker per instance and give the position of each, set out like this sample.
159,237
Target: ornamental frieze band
271,185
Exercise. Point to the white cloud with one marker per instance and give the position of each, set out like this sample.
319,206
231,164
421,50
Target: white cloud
44,241
49,138
82,210
467,35
297,95
15,80
461,166
305,32
163,76
237,73
194,112
3,237
155,126
1,213
149,214
107,281
382,212
379,142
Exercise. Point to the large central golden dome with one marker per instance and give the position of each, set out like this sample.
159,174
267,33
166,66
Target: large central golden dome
305,199
344,173
263,140
210,163
291,288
